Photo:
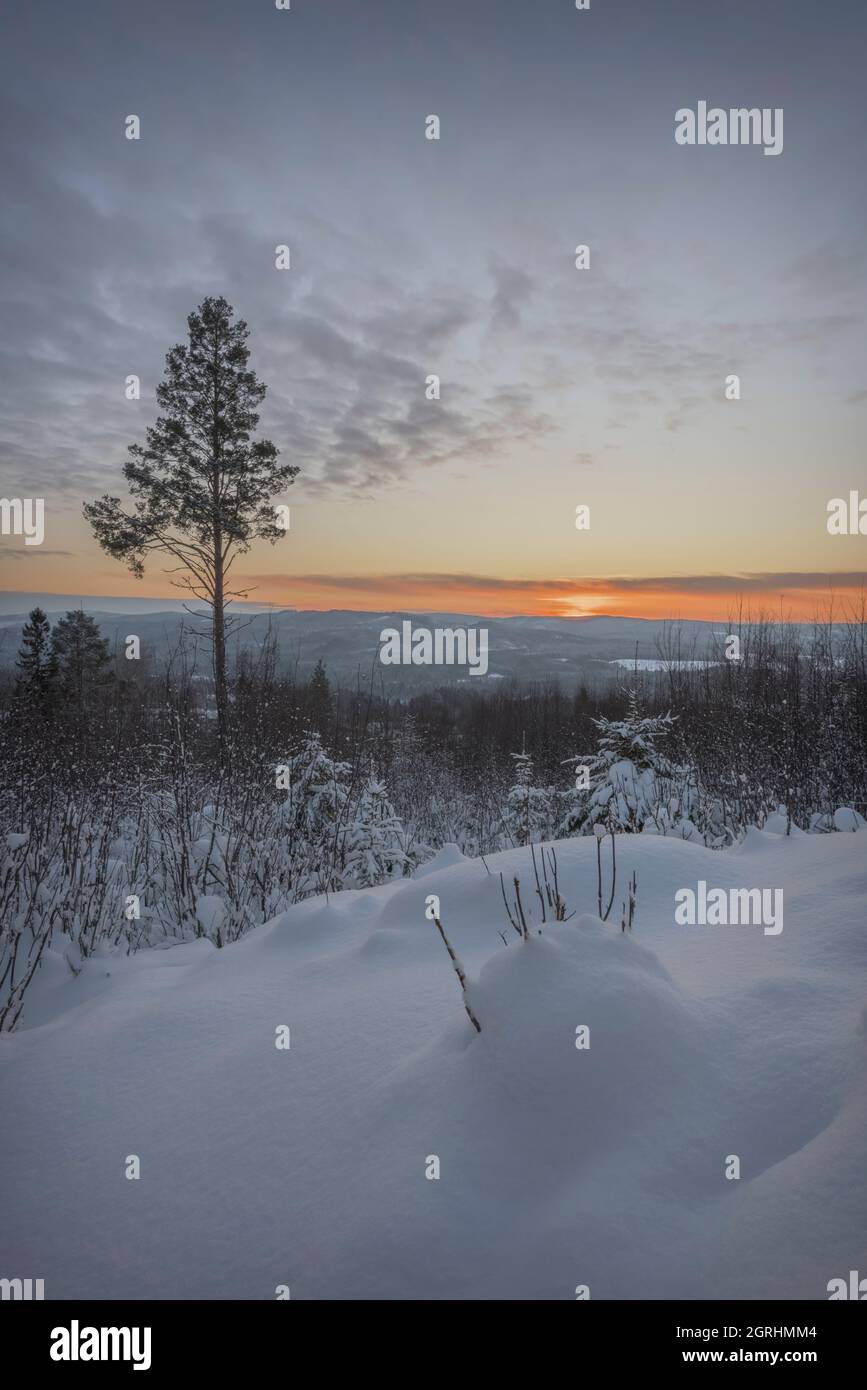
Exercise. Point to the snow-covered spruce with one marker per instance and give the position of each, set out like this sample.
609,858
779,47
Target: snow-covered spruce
632,785
527,817
373,844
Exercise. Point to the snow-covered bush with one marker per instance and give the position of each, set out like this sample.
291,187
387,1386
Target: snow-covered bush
373,843
528,810
316,811
153,864
633,786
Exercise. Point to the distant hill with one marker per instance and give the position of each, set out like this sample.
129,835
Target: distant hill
523,648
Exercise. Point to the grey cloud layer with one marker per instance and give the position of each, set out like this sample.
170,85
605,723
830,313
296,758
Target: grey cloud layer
412,258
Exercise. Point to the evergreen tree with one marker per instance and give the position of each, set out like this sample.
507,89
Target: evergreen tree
81,657
373,846
316,810
202,489
36,665
528,808
319,698
629,777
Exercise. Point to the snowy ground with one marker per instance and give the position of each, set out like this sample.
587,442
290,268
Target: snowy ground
559,1166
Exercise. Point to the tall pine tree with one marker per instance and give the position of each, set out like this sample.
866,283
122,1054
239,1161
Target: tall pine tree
202,489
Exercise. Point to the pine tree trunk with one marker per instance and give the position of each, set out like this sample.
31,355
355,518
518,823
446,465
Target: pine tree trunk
219,603
219,646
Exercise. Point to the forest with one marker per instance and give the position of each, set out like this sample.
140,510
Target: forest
128,820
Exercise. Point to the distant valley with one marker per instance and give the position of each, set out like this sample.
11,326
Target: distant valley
526,649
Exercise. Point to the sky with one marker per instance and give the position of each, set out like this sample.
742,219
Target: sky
560,387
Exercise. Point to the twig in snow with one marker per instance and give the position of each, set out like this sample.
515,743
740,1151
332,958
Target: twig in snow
459,971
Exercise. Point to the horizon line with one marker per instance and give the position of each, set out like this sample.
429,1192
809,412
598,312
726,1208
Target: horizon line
764,608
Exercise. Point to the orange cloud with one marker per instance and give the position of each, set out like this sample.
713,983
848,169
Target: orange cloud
711,597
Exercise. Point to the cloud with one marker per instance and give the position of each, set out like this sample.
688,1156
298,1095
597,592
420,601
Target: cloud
701,583
410,260
652,596
513,289
29,552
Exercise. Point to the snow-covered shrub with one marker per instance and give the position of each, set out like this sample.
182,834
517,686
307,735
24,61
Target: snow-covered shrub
528,811
844,819
316,812
633,786
373,843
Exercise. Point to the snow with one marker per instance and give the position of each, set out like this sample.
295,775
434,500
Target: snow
210,913
644,663
449,854
559,1165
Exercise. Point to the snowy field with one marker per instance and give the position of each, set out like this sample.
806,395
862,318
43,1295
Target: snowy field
559,1166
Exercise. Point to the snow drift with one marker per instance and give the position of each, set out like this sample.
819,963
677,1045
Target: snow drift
559,1165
